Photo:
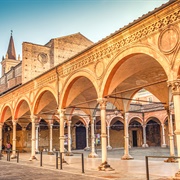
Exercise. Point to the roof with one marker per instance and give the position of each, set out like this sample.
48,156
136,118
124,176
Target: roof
11,49
72,39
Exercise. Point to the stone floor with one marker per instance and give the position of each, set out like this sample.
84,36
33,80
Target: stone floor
123,169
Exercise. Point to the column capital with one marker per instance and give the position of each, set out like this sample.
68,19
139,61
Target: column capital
33,118
61,111
14,122
175,86
69,122
102,102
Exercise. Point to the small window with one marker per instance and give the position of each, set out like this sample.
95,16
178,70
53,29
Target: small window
150,99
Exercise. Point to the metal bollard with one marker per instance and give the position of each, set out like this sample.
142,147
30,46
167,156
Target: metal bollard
60,160
82,163
17,156
56,160
8,155
41,158
147,168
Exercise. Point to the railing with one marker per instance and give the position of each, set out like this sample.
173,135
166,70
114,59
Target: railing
8,152
61,159
147,165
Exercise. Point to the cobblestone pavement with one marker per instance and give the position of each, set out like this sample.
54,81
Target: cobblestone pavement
123,169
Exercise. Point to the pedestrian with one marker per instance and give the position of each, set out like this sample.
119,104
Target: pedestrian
8,146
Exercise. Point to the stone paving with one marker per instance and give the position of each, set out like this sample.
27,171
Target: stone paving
123,169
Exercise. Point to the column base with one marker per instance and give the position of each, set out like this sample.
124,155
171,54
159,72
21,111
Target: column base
92,155
13,156
64,161
145,145
86,148
37,152
105,167
32,158
171,160
127,157
69,154
50,153
177,176
163,145
109,148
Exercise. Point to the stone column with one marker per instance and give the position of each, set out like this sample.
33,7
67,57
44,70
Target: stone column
62,117
93,153
175,87
126,155
14,140
50,139
171,134
33,138
163,145
37,138
144,136
1,126
69,153
104,166
87,139
108,139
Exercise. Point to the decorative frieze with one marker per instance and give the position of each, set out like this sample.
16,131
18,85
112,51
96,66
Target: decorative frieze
122,42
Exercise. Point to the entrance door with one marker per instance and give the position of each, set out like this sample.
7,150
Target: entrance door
134,134
80,137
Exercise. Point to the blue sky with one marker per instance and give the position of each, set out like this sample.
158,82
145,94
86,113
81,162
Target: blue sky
38,21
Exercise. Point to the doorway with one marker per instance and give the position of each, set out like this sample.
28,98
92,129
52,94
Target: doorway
80,137
134,134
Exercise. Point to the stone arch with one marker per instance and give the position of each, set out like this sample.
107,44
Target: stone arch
78,131
135,131
153,131
122,56
73,78
136,118
150,117
116,131
19,103
39,95
6,112
112,118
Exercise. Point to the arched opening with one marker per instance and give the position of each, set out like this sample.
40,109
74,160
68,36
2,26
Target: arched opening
135,132
153,133
80,135
116,133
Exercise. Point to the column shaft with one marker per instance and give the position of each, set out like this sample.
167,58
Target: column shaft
1,125
126,139
163,137
51,138
33,138
62,117
14,140
104,166
171,134
93,153
108,139
37,138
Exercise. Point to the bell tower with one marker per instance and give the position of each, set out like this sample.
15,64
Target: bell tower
10,59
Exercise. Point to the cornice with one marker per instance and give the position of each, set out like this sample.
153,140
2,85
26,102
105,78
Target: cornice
121,40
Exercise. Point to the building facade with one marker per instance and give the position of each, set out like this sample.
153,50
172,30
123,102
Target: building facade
73,93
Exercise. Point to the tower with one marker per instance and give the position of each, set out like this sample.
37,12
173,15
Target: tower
10,59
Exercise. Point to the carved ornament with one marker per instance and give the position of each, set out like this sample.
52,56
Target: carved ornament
168,40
